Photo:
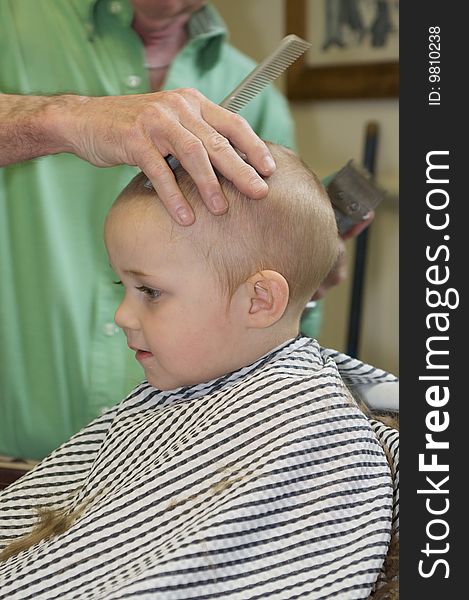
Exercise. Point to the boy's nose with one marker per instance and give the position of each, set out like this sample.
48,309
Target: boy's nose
125,317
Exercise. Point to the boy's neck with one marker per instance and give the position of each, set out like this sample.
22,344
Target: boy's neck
260,343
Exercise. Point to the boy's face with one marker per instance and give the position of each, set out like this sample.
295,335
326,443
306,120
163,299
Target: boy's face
174,315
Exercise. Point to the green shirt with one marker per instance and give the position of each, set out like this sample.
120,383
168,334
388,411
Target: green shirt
63,360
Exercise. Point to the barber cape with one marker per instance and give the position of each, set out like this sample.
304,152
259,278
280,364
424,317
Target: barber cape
268,482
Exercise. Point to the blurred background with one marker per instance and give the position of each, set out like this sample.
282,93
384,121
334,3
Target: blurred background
329,133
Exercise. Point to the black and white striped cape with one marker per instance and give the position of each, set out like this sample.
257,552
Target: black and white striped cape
265,483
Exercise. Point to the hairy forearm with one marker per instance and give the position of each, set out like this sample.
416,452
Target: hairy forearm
31,126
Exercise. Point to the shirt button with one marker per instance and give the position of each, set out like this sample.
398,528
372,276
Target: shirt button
133,81
115,7
110,329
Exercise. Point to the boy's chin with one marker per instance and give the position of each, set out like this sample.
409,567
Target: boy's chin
168,383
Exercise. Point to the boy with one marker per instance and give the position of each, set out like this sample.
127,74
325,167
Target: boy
241,467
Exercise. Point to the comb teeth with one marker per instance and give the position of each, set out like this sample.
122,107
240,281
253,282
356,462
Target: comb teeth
289,50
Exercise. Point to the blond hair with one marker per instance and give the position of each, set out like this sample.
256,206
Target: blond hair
292,231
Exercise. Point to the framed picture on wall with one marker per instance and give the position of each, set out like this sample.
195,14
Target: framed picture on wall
354,52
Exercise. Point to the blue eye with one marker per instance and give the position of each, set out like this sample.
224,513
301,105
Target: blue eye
150,293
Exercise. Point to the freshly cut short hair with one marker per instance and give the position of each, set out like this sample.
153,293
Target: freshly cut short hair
292,231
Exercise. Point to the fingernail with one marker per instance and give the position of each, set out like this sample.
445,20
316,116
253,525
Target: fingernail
219,204
184,216
269,165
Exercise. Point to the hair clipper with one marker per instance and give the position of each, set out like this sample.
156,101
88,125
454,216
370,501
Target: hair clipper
353,195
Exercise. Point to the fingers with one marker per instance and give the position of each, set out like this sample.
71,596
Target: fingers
359,227
194,158
209,129
203,149
194,139
234,167
164,182
191,153
236,129
161,131
174,124
240,133
219,130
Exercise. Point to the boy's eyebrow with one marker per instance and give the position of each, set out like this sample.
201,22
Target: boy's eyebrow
132,272
136,273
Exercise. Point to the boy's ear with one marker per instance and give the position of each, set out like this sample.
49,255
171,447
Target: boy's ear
269,294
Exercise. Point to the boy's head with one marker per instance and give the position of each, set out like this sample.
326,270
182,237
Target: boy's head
205,300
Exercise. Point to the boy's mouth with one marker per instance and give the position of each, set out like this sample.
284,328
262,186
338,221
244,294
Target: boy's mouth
142,355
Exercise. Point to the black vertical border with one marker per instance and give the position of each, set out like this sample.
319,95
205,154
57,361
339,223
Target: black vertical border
425,128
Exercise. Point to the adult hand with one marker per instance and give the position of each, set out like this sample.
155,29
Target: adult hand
142,129
339,272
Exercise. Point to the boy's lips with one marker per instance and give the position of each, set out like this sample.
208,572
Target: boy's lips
140,354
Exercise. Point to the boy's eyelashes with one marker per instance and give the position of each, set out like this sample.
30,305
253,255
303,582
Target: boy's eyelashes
150,293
